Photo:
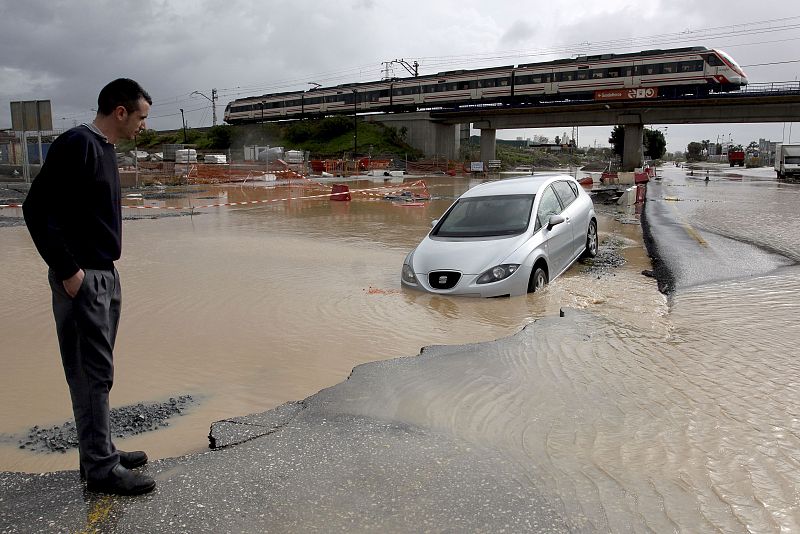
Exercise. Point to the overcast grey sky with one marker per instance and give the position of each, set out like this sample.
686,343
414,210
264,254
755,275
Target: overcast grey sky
67,50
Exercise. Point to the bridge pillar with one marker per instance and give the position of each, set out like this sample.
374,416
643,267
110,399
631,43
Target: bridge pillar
632,153
418,130
488,146
448,137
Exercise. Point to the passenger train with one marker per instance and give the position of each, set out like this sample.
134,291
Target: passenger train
649,74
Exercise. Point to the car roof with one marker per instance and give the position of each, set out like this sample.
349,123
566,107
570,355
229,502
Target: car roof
520,185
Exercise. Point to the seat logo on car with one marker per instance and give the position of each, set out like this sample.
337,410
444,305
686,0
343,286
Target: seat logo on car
443,280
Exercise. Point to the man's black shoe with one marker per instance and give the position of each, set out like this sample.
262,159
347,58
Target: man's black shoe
133,459
121,481
128,460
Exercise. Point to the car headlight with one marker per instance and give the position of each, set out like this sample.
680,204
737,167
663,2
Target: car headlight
495,274
408,275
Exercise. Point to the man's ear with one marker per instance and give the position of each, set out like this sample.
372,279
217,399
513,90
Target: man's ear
121,113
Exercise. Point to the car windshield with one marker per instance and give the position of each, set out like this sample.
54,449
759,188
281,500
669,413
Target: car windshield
487,216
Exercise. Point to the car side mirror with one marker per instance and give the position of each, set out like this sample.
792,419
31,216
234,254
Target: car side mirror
554,220
434,222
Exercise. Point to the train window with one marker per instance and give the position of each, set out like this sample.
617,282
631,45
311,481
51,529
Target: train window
614,72
523,80
690,66
669,68
714,61
568,76
502,82
582,75
464,86
598,73
650,70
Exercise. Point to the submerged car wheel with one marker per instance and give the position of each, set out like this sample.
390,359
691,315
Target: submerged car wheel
591,241
538,280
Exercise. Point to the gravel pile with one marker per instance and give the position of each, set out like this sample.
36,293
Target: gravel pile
608,258
125,421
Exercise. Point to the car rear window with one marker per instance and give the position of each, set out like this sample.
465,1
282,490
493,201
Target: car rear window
498,215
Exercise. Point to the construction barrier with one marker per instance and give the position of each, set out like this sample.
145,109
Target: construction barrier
340,192
641,193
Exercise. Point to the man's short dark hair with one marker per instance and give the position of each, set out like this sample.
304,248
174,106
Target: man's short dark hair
121,92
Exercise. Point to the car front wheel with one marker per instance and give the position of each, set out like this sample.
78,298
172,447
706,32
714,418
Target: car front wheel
591,241
538,280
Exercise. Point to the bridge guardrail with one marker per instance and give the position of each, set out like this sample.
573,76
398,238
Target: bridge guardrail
770,87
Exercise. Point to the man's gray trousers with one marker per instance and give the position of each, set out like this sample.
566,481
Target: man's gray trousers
87,328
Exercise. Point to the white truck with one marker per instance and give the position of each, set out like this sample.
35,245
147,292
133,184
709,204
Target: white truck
787,161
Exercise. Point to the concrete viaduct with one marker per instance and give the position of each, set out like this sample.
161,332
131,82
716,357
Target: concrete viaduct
441,132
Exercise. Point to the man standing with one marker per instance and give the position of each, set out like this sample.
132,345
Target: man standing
74,216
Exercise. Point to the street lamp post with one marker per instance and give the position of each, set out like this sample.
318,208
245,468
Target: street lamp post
183,120
213,101
355,123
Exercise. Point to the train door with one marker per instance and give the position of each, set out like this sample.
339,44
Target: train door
632,73
550,86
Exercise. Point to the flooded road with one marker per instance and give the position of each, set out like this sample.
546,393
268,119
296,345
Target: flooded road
629,414
245,308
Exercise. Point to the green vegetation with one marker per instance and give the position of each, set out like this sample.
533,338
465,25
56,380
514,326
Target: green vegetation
327,137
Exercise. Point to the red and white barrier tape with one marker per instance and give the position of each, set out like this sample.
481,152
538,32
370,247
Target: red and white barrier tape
251,202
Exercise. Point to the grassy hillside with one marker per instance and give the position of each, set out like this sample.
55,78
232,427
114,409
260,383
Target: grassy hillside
327,137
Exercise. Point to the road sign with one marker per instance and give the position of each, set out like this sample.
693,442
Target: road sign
31,116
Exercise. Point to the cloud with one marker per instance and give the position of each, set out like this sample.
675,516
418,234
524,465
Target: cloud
67,50
519,32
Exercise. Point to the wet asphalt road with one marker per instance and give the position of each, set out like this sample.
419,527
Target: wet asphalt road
691,255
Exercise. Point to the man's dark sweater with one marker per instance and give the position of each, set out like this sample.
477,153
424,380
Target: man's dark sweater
73,208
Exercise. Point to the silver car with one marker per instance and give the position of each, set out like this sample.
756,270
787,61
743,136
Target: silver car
505,238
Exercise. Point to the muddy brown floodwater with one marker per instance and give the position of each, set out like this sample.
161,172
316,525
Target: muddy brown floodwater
245,308
638,414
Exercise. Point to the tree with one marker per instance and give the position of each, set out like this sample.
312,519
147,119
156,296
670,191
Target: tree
655,146
694,151
617,139
220,136
558,140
